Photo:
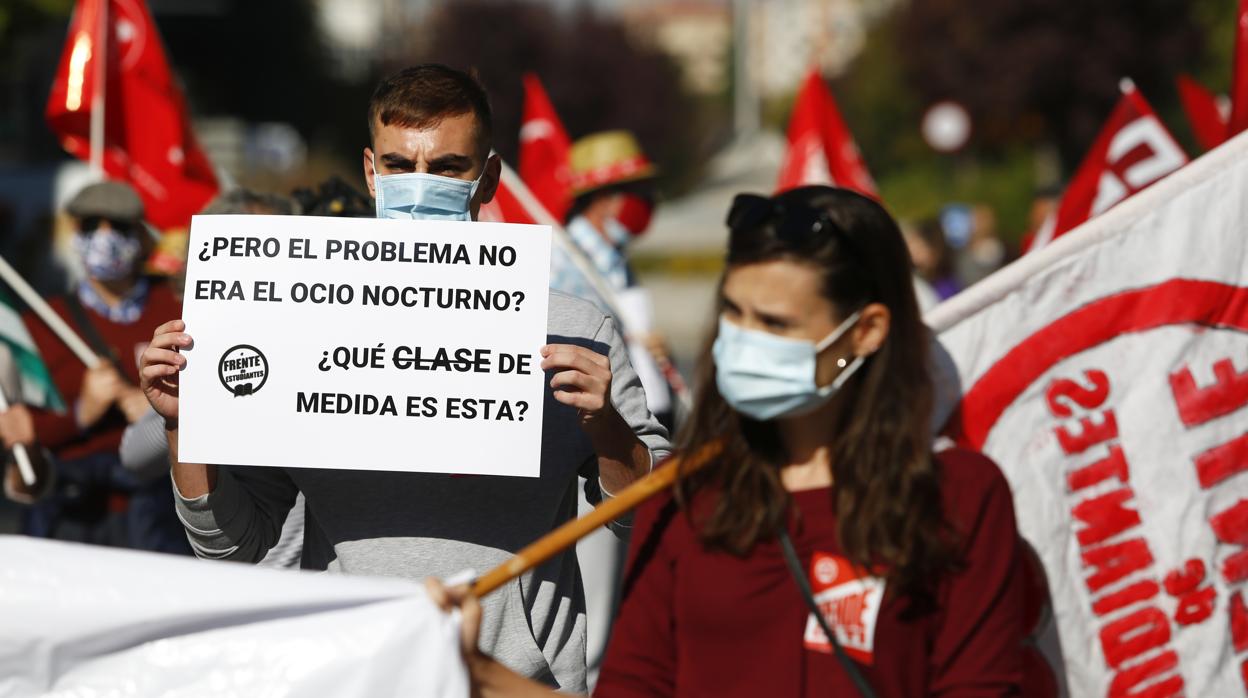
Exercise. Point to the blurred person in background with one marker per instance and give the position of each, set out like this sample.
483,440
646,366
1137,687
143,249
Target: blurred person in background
932,258
1043,213
613,200
115,308
984,252
817,383
613,203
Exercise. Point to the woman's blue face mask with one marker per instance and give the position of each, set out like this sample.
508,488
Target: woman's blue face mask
764,376
421,196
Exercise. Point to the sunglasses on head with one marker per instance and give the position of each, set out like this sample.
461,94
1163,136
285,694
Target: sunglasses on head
92,223
792,222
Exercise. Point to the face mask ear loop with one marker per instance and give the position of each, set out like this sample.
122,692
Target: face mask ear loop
836,334
846,373
828,341
476,183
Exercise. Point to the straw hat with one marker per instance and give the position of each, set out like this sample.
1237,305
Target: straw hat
606,159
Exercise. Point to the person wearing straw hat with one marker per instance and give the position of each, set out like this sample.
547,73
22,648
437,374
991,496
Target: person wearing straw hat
613,200
114,308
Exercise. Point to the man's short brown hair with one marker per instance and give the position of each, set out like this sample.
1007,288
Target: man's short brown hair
421,96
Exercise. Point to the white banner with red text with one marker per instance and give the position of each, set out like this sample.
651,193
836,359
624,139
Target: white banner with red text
1107,374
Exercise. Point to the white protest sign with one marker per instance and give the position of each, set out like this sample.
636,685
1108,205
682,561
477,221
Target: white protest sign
365,344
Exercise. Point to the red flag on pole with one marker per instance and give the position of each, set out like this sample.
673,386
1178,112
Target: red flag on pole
1239,73
544,146
147,133
1208,122
1132,151
821,148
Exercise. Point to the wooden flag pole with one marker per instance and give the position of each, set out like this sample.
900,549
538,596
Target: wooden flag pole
568,534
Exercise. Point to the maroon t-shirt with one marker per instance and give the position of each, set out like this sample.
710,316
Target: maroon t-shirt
695,622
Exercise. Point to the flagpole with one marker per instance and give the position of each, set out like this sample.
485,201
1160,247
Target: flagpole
564,537
99,56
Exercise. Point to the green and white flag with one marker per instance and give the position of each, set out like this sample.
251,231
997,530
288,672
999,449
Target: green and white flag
37,387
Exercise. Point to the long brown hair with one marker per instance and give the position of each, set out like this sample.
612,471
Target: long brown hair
886,485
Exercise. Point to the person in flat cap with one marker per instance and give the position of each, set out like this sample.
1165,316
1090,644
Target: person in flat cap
114,308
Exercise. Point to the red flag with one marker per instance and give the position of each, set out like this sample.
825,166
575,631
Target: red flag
148,140
506,207
1208,121
1132,151
544,146
1239,73
821,149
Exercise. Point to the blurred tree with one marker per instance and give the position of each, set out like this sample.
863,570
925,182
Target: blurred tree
1032,70
1217,21
263,61
31,34
598,77
20,17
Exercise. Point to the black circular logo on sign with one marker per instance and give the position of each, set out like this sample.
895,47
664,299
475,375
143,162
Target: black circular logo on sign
243,370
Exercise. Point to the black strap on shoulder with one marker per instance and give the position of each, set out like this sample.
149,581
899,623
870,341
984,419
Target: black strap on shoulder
799,576
90,333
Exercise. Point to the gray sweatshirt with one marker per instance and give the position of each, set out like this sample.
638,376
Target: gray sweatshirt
416,525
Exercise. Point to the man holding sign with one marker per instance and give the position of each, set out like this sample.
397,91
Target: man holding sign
429,160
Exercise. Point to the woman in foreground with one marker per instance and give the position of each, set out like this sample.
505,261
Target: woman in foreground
817,381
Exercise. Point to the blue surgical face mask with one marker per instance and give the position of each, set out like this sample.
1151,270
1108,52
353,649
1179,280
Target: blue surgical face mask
764,376
617,234
427,197
107,254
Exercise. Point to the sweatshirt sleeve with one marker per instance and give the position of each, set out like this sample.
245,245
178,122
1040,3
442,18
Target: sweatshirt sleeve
629,399
641,654
144,449
241,519
978,647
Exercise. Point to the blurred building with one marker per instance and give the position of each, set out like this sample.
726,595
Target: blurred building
787,36
697,34
783,38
